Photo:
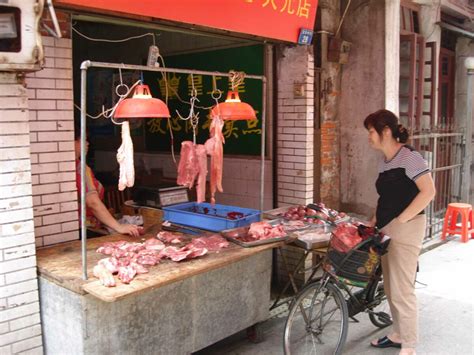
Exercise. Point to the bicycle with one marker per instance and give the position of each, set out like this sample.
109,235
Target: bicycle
319,315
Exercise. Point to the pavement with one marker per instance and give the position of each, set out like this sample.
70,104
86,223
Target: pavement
445,291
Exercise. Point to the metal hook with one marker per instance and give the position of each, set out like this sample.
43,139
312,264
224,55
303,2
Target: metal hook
192,101
216,93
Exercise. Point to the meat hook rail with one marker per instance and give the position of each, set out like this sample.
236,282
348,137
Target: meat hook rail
88,64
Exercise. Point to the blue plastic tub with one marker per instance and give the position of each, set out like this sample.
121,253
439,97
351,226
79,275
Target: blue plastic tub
208,217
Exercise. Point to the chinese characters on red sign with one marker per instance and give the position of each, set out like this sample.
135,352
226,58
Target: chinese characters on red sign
275,19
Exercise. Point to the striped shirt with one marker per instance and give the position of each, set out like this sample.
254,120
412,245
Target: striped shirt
396,183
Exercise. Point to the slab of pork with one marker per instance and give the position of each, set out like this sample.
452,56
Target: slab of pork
154,244
214,148
188,167
105,276
110,264
168,237
202,173
125,159
126,274
214,242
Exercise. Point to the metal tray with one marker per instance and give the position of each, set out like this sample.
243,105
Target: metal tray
309,245
234,233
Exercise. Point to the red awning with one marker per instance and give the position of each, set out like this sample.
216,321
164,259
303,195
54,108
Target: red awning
275,19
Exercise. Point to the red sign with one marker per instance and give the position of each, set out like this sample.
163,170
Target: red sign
277,19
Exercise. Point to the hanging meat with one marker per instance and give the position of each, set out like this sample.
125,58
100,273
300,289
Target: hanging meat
215,148
125,159
188,167
193,166
202,173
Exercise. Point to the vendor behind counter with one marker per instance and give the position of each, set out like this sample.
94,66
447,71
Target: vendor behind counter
97,214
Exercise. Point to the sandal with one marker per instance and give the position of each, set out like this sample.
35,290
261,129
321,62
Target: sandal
385,342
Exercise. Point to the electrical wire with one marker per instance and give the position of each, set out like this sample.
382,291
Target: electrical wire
342,19
114,40
435,26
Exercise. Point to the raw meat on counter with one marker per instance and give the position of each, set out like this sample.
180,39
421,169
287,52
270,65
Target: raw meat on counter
212,243
319,215
168,237
264,230
187,252
154,244
257,231
110,264
147,258
125,159
129,259
105,276
126,274
140,269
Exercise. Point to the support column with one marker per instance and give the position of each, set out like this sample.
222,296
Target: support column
295,122
330,184
20,327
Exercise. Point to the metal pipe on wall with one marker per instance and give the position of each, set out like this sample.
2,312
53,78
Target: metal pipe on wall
262,152
84,67
88,64
466,178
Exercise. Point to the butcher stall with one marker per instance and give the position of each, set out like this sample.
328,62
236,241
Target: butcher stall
199,289
176,308
197,275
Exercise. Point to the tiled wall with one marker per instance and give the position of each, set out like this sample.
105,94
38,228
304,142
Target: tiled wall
20,328
295,141
52,145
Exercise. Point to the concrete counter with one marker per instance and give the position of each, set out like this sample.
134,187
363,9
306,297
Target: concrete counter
176,308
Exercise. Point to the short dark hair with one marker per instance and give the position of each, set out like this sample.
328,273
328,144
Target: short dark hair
385,118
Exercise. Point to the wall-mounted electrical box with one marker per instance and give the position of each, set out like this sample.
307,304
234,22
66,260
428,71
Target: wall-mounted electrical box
338,50
20,41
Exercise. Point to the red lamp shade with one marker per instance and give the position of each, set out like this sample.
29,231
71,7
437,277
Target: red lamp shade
142,105
233,109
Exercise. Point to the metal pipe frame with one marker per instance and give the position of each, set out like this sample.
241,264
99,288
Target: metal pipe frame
466,176
85,65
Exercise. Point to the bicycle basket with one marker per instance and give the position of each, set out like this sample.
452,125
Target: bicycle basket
357,264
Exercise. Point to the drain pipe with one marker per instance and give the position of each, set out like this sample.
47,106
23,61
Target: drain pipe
54,18
84,66
466,178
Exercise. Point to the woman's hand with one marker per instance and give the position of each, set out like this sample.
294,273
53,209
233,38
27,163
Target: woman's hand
130,229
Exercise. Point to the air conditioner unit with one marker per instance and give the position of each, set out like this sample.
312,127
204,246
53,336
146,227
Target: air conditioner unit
20,41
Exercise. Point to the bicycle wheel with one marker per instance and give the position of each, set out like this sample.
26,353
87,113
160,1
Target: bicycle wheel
379,309
317,322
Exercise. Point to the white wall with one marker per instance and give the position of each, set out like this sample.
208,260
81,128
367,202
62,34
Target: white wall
20,328
52,145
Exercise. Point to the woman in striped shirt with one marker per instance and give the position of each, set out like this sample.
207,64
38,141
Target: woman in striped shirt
405,188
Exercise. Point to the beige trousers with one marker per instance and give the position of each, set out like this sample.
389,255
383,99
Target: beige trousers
399,272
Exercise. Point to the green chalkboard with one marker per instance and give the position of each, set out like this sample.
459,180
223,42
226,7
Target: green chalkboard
242,137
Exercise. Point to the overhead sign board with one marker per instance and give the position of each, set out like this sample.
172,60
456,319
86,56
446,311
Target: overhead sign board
275,19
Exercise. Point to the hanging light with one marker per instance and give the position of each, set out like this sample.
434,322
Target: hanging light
233,108
142,105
